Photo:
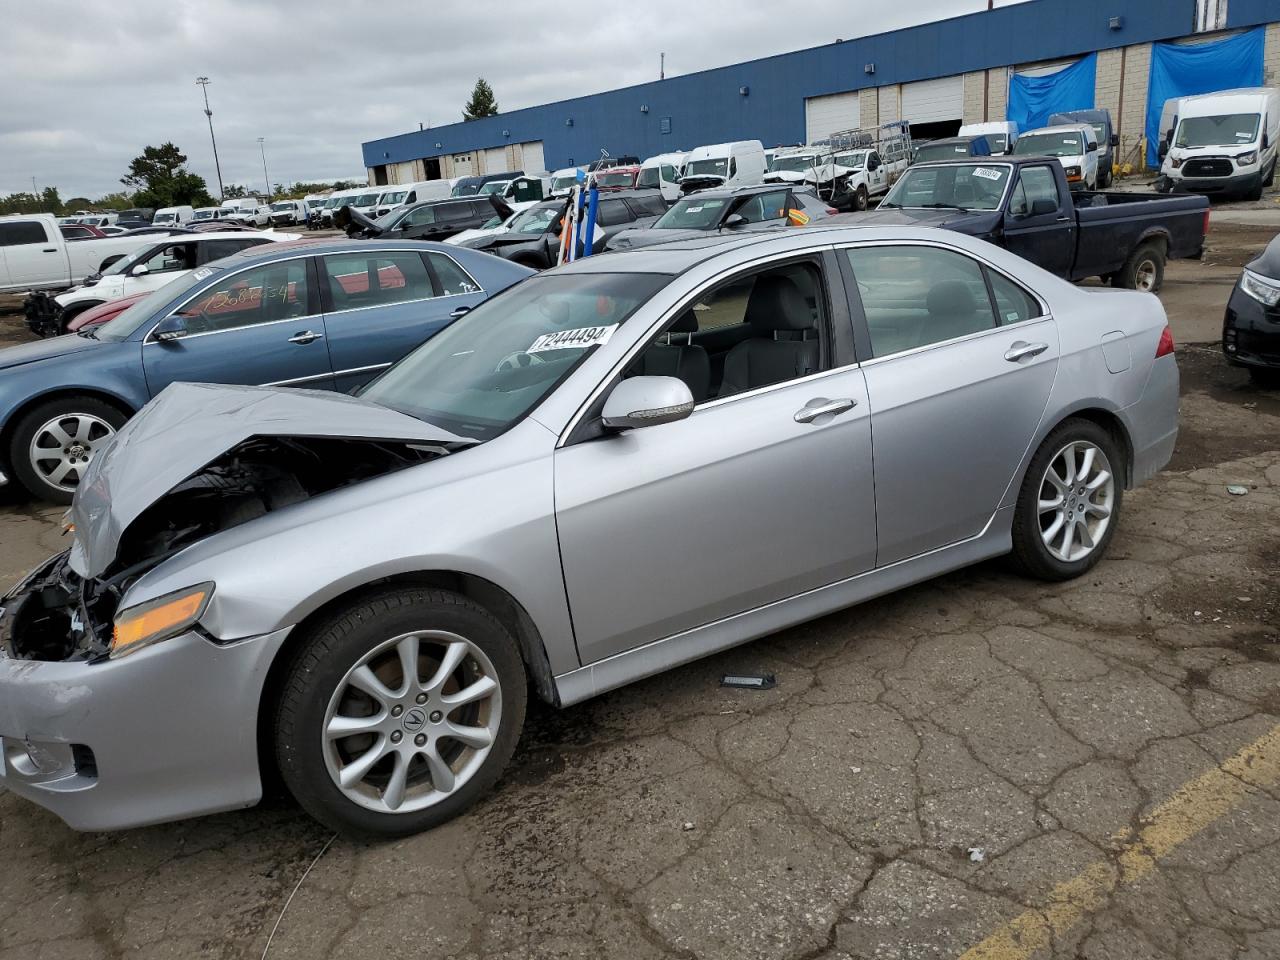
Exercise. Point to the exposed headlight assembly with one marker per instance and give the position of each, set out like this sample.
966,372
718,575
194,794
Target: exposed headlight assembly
1265,291
1244,159
159,619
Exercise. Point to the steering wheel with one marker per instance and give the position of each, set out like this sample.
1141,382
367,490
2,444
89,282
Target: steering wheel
517,361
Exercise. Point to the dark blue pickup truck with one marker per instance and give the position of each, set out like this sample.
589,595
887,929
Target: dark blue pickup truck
1023,204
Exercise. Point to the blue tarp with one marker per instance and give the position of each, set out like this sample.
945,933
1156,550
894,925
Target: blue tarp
1032,100
1183,70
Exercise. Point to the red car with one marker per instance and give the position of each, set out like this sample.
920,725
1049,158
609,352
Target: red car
103,312
79,231
617,178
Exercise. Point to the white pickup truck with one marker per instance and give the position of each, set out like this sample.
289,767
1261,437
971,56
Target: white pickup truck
34,256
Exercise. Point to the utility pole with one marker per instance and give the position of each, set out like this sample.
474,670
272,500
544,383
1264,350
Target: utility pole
33,185
262,146
204,85
662,66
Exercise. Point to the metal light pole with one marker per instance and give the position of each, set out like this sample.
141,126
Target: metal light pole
204,85
263,148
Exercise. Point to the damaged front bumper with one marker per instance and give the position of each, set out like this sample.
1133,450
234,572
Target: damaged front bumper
43,313
165,733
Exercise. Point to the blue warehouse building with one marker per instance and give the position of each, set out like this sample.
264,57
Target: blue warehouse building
936,75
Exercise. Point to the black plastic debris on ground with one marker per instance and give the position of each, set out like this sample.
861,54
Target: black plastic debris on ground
749,681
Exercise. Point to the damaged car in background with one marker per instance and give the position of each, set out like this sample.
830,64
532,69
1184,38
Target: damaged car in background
323,314
357,593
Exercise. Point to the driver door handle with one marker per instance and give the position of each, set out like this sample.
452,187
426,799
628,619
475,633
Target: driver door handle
816,408
459,312
307,336
1022,349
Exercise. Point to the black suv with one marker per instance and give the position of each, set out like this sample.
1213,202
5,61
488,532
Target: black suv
428,220
533,238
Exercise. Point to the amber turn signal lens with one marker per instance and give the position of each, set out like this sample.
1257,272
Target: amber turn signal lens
159,619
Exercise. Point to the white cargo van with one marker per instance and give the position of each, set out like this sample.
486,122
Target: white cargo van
403,194
564,180
1223,142
663,172
1000,134
172,216
1075,145
724,165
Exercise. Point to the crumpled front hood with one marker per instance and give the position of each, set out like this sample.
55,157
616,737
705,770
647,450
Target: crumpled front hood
784,176
190,424
700,181
48,349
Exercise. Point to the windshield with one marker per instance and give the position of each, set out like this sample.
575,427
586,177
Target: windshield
204,215
480,375
493,186
166,217
536,220
123,325
851,161
1050,145
1229,130
692,213
464,190
397,197
796,163
281,207
999,142
941,151
365,200
564,183
649,177
967,186
716,167
614,179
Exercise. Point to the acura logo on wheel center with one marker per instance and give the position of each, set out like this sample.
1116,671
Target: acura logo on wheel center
415,719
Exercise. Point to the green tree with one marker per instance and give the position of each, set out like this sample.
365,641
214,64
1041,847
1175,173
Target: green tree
78,203
482,103
50,201
120,200
162,180
233,191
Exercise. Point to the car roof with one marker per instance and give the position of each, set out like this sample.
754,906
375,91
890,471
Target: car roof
1058,128
745,190
315,246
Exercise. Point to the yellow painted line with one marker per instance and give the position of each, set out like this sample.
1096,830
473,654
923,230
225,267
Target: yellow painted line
1189,810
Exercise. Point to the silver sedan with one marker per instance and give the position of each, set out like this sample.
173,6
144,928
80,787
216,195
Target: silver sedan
609,470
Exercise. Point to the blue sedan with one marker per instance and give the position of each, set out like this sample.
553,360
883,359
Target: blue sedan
316,314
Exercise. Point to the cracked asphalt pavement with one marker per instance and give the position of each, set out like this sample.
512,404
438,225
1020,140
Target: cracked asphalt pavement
980,767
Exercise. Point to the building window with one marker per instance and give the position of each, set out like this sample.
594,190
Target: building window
1210,15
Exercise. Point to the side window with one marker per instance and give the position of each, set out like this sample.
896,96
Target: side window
764,206
212,250
752,331
412,197
452,278
614,212
733,167
18,232
361,280
1038,183
668,173
275,291
913,296
174,257
482,209
453,211
1013,304
648,206
419,217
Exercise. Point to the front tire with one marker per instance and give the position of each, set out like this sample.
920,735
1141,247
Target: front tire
399,711
53,444
1069,503
861,200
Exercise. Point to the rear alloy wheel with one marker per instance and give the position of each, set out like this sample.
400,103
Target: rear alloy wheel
400,712
1144,270
1069,502
53,445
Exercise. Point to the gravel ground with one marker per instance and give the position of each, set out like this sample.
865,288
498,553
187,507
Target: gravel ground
980,766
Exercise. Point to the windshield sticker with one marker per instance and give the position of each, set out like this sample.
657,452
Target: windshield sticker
986,173
202,273
692,209
573,339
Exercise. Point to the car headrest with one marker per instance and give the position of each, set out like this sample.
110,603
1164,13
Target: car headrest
776,303
951,297
687,322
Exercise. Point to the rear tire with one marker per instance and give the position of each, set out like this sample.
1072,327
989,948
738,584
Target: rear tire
1089,507
1271,174
362,645
64,433
1144,270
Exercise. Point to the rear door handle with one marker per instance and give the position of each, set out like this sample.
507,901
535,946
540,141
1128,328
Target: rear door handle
307,336
50,250
816,408
1022,349
459,312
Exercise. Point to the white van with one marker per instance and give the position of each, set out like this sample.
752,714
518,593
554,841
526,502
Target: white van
339,198
1223,142
1075,145
172,216
663,172
403,194
736,164
564,180
1000,134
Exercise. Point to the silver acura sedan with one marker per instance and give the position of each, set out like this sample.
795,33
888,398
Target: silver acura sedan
608,470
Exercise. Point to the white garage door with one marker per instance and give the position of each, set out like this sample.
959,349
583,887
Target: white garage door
495,160
531,161
462,165
823,116
928,101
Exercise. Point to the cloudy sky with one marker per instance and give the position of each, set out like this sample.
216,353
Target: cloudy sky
87,86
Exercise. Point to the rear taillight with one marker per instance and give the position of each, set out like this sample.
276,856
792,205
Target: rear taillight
1206,223
1165,347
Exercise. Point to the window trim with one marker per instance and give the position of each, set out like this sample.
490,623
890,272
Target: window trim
862,332
44,229
575,431
313,301
326,296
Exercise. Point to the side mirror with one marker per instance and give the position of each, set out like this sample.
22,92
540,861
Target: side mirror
647,402
735,220
1043,207
171,328
1115,139
140,270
